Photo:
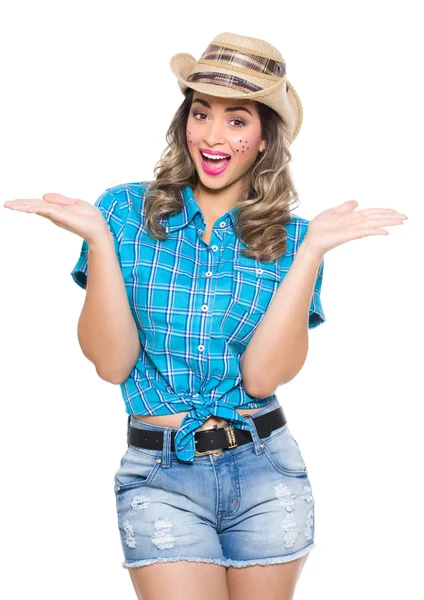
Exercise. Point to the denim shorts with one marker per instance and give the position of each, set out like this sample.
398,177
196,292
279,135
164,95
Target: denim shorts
252,505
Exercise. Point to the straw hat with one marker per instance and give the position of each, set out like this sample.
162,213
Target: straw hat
238,66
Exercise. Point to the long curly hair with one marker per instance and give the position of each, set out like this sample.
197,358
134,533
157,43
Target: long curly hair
264,209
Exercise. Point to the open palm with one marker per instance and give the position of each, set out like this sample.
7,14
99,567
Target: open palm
341,224
78,216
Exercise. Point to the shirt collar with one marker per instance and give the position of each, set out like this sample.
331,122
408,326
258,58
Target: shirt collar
190,209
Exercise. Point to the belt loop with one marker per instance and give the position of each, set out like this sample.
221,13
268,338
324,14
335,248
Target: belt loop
166,450
128,427
254,433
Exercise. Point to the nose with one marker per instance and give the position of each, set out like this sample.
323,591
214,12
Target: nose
214,134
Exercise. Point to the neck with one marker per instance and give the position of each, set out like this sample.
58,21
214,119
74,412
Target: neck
218,202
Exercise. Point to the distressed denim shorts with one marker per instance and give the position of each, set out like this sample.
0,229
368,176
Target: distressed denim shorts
252,505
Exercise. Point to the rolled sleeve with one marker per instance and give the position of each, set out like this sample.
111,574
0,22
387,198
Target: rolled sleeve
113,215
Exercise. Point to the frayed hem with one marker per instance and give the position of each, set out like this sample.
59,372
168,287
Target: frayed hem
148,561
270,561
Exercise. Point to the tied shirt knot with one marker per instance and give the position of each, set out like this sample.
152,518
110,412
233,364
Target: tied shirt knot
184,439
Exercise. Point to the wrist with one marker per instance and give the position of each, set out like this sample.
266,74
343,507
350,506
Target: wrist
100,238
308,247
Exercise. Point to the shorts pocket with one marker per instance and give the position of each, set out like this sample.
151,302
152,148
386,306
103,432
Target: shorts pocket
138,467
283,453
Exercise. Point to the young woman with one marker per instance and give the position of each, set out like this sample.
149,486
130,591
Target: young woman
201,286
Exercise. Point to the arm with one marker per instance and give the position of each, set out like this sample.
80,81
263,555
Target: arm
107,332
279,346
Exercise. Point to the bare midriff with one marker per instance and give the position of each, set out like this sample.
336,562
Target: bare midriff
175,420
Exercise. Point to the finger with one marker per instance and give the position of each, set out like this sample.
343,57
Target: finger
19,204
378,221
382,211
30,206
376,231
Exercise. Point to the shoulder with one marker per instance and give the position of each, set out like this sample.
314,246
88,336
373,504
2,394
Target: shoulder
296,230
124,196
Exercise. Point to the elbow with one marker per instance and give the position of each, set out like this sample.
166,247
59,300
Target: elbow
114,378
263,388
259,389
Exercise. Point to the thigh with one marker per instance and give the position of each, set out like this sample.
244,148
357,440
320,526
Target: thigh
165,513
272,521
269,582
180,580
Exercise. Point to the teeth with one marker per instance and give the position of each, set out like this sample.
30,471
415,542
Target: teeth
214,157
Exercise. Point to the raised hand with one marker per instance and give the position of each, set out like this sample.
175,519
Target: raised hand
338,225
77,216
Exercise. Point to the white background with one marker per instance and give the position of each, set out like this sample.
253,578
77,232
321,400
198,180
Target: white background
87,96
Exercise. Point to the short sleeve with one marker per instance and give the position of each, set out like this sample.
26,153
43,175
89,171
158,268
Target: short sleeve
297,229
316,313
114,217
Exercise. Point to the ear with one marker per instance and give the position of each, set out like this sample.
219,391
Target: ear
262,146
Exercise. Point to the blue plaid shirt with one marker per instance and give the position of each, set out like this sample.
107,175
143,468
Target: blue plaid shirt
196,307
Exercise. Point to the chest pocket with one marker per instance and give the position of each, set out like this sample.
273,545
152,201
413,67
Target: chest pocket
254,286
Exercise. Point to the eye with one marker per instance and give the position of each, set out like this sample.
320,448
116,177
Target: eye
200,114
196,114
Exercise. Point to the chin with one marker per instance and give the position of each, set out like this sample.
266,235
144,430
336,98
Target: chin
213,183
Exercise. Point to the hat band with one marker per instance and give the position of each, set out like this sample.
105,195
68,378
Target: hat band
237,58
224,79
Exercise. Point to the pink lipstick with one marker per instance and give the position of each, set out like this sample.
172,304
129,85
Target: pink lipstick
214,166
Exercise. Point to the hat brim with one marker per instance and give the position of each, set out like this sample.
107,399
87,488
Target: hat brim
183,64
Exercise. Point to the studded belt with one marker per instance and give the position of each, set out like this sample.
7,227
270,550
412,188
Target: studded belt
210,441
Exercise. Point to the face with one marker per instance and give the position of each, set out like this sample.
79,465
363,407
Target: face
228,126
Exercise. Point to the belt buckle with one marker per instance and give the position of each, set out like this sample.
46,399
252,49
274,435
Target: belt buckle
231,436
217,452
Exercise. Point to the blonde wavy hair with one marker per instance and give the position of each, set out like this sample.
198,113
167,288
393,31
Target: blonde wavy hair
264,209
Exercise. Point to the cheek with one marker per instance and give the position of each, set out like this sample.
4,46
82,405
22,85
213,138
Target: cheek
246,146
192,136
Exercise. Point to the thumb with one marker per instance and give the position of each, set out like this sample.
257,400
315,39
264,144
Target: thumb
346,206
55,198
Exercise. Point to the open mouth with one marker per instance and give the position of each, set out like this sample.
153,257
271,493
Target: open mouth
214,165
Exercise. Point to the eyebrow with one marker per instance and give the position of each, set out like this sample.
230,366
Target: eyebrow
228,109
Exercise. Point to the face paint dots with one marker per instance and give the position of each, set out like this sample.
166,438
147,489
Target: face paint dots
188,134
243,146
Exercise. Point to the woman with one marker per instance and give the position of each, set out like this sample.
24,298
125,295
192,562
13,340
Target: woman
202,286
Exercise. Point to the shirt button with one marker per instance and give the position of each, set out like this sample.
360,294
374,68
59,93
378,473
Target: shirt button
222,224
259,271
200,347
195,395
208,274
204,307
214,248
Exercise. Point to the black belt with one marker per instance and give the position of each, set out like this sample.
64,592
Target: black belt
210,441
